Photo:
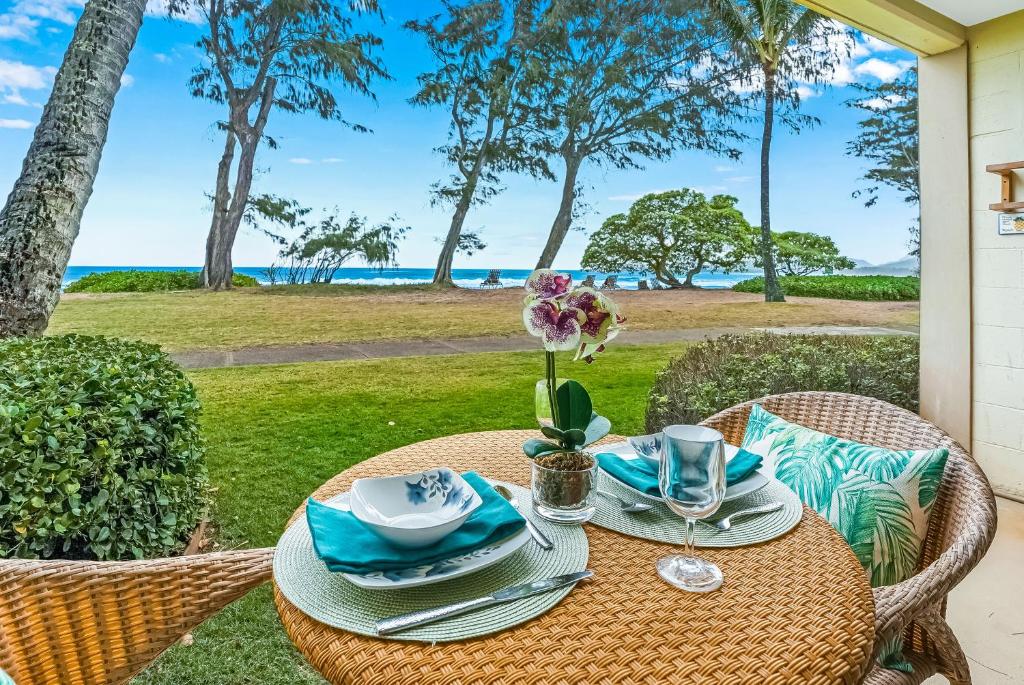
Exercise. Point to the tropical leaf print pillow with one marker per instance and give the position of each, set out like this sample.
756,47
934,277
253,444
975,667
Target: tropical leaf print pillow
878,499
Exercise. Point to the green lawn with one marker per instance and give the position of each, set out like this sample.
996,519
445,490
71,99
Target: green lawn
276,433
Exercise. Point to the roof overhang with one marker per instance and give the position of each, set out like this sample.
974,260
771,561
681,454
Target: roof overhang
906,23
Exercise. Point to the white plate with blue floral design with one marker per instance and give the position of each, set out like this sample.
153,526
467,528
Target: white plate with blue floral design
748,485
436,572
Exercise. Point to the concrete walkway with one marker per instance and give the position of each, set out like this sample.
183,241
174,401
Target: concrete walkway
383,349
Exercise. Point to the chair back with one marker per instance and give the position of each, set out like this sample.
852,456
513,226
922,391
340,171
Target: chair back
95,623
588,282
642,285
610,283
876,422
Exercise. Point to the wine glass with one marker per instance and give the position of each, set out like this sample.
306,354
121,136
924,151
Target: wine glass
692,481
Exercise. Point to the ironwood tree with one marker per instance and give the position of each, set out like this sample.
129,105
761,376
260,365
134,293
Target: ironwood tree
629,80
262,55
785,48
43,214
888,140
485,71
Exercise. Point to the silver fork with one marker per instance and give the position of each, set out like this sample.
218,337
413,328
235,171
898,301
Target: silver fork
725,523
627,506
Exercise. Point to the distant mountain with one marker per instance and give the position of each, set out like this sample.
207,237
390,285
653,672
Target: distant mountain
907,266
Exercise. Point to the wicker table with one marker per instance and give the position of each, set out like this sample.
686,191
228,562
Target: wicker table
794,610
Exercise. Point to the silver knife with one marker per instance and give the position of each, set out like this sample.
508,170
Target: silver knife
401,622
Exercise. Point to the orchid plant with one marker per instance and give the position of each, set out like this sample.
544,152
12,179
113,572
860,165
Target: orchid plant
566,318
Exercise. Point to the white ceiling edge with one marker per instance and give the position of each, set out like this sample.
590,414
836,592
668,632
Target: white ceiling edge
970,12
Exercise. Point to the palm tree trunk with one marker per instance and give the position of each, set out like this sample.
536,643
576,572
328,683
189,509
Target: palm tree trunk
563,220
772,289
43,214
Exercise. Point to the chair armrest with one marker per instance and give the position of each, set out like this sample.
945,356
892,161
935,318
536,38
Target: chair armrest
971,525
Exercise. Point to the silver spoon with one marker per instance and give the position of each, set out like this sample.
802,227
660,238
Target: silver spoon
725,523
627,507
539,537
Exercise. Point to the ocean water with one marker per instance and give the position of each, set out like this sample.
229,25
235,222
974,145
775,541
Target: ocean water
467,278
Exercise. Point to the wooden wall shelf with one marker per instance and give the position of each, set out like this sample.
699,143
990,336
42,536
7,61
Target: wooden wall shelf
1005,172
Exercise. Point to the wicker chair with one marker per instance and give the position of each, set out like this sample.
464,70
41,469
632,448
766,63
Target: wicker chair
961,527
91,623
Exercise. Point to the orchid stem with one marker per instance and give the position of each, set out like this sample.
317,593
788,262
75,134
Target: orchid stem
552,394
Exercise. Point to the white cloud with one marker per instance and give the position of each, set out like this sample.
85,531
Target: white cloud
882,70
332,160
22,19
300,160
633,197
127,80
723,168
16,123
161,57
18,76
740,179
158,8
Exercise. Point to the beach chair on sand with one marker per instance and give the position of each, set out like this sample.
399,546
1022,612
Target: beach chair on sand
588,282
610,283
493,279
642,285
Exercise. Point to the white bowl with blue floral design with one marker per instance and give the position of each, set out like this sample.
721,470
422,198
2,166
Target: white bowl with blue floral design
416,509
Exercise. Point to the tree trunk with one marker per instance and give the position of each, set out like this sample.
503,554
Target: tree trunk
221,205
772,289
563,220
688,283
443,271
43,214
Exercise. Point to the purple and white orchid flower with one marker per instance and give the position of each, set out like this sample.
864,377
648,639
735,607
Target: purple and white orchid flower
547,284
558,327
601,322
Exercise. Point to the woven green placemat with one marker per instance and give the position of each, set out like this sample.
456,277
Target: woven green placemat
661,525
331,599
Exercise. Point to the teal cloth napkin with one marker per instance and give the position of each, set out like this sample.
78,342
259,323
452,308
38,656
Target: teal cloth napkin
642,474
347,546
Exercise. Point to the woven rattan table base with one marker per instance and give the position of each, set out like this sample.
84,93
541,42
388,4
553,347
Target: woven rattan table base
797,609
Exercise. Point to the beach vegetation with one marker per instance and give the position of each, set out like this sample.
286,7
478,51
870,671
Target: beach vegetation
261,55
780,49
837,287
483,73
717,374
141,281
802,254
619,89
101,448
673,236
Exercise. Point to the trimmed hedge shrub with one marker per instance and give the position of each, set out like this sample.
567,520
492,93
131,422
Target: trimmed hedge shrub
717,374
888,288
100,450
146,282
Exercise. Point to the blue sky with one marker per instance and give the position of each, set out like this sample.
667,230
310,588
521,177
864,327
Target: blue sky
149,205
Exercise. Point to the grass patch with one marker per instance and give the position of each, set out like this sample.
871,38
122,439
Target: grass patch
289,315
878,288
146,282
276,433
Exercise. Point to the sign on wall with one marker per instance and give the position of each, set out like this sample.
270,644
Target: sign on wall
1011,224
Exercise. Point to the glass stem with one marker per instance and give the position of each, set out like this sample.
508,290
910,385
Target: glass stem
691,526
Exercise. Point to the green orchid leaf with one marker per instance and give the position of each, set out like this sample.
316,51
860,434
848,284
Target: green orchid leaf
553,433
598,427
575,437
536,447
574,406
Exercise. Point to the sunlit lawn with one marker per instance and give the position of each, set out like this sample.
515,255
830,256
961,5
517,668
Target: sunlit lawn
304,314
276,433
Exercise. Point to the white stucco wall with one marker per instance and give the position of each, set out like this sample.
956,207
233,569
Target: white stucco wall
996,116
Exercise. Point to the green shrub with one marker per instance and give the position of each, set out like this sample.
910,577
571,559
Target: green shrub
146,282
100,450
717,374
890,288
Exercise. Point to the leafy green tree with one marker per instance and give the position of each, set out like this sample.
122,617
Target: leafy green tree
671,235
41,218
265,54
802,254
785,47
628,80
322,247
484,72
888,140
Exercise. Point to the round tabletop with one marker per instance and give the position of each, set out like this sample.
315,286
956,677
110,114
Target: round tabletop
797,609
